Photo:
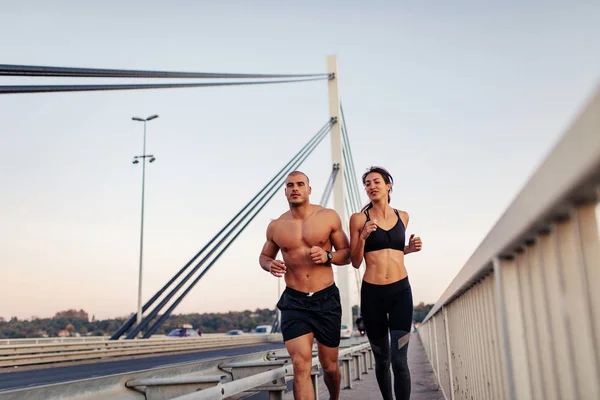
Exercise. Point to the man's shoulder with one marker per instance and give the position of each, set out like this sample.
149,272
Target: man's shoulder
282,217
274,225
324,211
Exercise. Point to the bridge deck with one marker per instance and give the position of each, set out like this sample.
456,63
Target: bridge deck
424,383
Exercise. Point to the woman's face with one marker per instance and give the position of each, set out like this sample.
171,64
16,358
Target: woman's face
376,187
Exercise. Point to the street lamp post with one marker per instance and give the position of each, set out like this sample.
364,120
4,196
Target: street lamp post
136,160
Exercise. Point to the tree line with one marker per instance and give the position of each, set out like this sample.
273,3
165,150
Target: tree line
79,323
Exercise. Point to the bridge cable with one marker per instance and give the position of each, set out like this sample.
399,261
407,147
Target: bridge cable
132,319
87,88
349,167
330,184
68,72
347,152
280,176
352,191
274,190
351,206
357,272
346,138
349,148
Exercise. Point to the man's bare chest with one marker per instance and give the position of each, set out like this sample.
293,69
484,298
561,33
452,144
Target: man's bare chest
291,235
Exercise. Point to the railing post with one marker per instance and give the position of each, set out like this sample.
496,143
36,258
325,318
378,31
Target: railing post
587,269
339,195
437,356
447,329
503,331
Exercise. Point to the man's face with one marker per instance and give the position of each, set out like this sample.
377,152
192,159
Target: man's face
297,189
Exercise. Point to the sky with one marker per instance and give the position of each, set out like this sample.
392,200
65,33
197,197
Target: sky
460,101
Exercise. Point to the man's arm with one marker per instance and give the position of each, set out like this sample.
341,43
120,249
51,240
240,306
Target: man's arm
339,241
269,252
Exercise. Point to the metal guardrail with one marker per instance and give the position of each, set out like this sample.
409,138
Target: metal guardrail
80,339
273,380
48,340
208,379
33,354
521,320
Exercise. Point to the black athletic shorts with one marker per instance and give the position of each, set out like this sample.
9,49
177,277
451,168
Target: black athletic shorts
319,312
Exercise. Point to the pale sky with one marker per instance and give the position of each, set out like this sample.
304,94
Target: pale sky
460,101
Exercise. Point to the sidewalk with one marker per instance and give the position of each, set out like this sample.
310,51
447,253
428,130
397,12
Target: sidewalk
424,384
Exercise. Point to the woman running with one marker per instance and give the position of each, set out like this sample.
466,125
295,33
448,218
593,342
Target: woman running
377,234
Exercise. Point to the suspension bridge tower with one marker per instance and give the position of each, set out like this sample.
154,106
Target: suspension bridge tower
339,189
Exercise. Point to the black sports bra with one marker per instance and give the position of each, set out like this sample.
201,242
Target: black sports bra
382,239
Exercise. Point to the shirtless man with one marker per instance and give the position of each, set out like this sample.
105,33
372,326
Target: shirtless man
310,305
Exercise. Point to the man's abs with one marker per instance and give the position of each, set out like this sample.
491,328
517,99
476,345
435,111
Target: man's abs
309,278
303,275
295,239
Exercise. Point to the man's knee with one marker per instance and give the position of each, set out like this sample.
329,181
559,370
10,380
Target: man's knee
302,365
330,367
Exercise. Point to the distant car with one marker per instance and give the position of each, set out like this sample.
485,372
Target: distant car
345,332
184,332
263,329
234,332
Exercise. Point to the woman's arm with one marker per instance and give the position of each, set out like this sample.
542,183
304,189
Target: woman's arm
357,243
414,243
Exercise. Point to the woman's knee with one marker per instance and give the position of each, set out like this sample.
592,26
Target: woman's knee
381,350
399,351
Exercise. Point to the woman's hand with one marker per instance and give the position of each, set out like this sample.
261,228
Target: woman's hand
370,226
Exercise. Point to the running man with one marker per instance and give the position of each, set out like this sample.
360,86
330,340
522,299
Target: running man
310,305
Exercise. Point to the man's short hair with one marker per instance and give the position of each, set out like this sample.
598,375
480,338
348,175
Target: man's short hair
299,173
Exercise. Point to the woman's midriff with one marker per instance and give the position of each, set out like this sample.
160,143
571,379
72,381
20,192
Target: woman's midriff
384,266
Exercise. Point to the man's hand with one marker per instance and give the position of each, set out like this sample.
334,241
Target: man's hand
370,226
414,244
277,268
318,255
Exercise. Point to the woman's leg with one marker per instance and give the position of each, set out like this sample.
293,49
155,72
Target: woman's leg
402,383
376,324
400,327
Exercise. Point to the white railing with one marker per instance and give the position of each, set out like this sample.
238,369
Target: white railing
521,320
32,354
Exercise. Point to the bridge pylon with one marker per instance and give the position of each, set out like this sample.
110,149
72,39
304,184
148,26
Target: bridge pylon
339,188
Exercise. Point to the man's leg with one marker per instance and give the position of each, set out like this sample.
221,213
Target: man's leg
328,356
300,350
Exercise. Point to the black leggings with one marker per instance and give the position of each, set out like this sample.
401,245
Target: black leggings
377,302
